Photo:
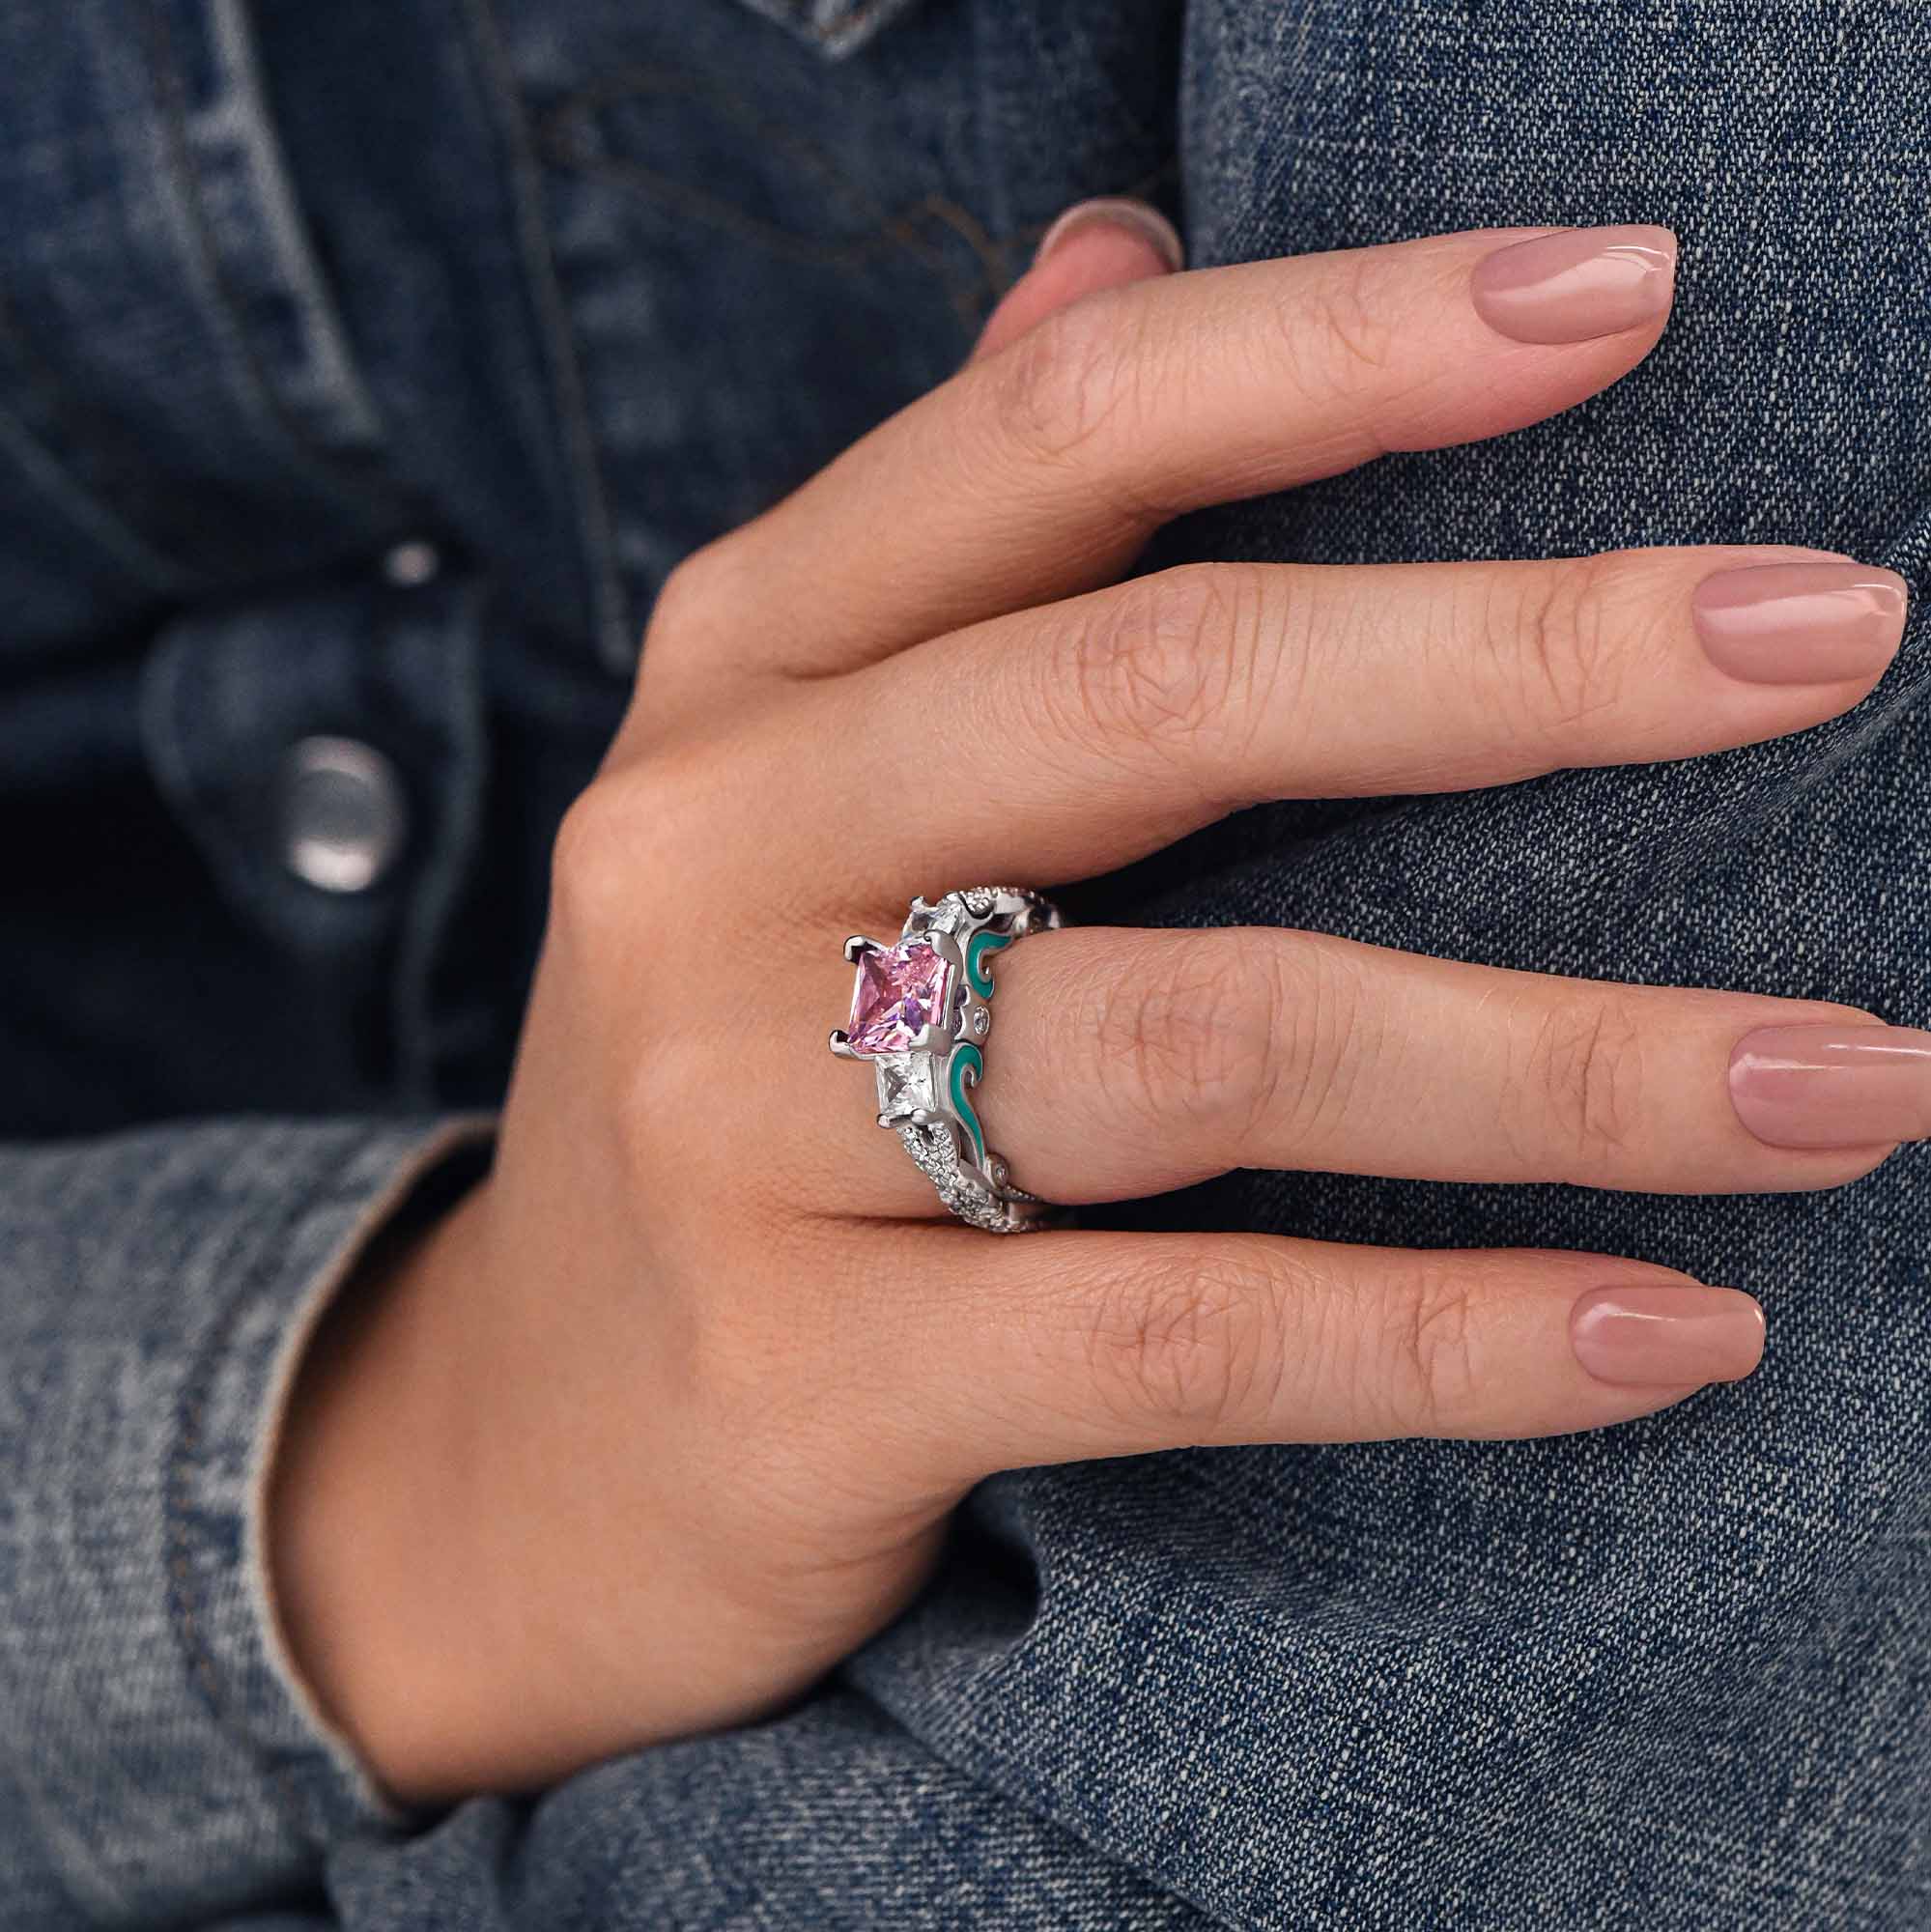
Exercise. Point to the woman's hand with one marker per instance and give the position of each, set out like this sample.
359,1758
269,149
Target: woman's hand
672,1412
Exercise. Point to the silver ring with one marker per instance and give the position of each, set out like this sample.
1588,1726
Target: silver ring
921,1014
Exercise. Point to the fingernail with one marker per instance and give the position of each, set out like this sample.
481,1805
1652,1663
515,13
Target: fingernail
1116,212
1802,623
1834,1085
1667,1337
1577,284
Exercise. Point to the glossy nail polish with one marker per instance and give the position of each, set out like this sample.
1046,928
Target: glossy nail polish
1577,284
1800,623
1666,1336
1834,1085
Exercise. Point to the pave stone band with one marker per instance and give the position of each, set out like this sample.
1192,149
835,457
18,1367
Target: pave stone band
921,1014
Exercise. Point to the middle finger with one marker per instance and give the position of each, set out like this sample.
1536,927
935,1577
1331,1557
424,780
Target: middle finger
1099,730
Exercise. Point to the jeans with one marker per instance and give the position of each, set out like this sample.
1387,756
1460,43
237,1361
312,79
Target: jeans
364,369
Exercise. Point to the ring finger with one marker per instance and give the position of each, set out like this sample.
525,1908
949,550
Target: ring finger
1125,1063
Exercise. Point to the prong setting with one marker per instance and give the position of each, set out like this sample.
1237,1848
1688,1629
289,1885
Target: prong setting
918,1014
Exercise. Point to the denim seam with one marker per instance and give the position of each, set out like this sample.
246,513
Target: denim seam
455,1133
617,646
458,821
197,1655
93,520
88,507
361,493
296,256
159,714
427,1143
560,138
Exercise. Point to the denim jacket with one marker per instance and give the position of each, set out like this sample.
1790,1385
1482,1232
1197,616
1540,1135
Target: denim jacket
364,369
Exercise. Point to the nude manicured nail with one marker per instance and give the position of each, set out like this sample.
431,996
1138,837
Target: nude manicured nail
1577,284
1140,218
1667,1337
1802,623
1834,1085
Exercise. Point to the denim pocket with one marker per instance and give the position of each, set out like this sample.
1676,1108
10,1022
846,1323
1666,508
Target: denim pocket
837,26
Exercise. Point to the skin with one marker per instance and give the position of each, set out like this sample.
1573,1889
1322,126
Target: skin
670,1412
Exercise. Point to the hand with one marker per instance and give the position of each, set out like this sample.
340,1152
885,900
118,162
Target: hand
672,1412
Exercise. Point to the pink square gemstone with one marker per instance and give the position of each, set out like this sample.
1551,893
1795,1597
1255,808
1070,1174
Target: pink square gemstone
901,990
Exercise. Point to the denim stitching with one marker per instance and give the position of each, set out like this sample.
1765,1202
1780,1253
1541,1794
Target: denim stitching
163,735
85,505
323,329
615,643
182,1595
92,519
563,138
427,916
351,489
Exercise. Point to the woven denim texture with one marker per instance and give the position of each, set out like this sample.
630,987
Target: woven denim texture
568,288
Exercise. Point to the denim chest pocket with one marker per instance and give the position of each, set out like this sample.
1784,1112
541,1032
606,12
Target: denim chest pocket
180,413
837,26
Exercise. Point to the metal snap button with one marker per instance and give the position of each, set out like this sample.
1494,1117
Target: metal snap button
408,566
344,816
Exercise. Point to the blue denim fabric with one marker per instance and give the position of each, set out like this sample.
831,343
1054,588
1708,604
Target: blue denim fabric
566,289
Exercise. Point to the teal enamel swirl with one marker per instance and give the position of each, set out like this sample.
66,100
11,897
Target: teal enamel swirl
977,948
964,1059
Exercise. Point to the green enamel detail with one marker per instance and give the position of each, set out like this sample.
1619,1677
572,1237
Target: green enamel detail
964,1057
977,948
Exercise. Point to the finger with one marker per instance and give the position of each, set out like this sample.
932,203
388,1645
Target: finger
1040,470
1093,246
1123,1063
1085,1345
1105,728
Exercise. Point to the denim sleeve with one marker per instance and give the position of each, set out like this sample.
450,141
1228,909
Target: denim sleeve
160,1763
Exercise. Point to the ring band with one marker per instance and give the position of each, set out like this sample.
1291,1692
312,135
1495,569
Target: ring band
921,1014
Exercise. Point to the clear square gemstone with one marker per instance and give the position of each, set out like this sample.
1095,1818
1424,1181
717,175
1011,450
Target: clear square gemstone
904,1083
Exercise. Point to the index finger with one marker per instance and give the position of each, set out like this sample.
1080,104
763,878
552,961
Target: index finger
1039,471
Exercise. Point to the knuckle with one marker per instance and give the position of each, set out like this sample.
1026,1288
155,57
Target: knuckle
1164,664
588,865
1435,1355
695,599
1579,1096
1056,390
1191,1034
1192,1346
1549,628
615,844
